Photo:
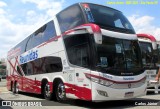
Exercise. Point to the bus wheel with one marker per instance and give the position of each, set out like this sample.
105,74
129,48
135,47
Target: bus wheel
60,91
11,85
46,91
13,89
16,88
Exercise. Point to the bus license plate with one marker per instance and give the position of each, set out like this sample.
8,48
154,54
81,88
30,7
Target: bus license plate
129,94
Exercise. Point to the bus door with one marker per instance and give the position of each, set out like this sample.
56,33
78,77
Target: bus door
78,53
82,84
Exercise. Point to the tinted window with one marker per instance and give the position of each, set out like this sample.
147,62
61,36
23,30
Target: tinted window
147,52
119,56
70,18
30,43
43,65
22,45
19,71
77,47
43,34
107,18
119,53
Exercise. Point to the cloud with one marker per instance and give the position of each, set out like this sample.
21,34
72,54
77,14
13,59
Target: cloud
2,11
52,7
144,24
11,32
2,4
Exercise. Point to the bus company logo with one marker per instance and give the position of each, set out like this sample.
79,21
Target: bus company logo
129,78
107,76
31,55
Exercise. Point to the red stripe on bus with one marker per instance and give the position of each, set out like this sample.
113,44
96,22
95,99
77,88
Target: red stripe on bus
33,86
80,92
14,69
29,85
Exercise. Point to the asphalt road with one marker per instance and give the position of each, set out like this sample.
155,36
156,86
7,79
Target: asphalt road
136,103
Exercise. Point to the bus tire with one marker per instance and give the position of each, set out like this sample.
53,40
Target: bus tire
48,95
16,88
11,86
59,91
13,89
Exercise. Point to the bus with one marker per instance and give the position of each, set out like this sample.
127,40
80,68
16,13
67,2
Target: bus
148,45
88,52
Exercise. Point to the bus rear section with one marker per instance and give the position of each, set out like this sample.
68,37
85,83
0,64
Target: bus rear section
149,49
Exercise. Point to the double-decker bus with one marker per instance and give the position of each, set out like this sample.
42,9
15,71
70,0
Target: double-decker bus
148,45
88,52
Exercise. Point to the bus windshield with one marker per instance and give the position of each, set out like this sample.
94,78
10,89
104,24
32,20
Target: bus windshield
107,18
119,56
147,53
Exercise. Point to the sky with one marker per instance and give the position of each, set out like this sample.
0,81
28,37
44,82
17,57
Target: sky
19,18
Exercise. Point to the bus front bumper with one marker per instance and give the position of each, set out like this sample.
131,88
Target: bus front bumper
104,93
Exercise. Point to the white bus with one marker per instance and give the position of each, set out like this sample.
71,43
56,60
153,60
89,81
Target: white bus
148,45
87,52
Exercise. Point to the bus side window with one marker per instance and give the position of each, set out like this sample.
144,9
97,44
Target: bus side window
50,31
43,65
53,64
24,68
77,48
81,55
43,34
30,43
19,71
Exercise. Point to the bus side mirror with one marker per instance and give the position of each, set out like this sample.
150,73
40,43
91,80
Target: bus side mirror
98,38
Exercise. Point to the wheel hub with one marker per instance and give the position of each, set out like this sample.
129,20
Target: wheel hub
47,90
61,91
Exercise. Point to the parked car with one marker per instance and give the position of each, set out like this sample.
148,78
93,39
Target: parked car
3,77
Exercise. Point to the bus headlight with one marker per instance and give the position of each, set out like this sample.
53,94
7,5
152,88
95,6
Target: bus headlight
99,80
105,82
94,79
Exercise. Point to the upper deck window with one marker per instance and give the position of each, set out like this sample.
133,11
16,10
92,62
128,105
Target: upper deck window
107,18
43,34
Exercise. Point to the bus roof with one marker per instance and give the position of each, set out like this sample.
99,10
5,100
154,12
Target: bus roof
79,3
98,5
